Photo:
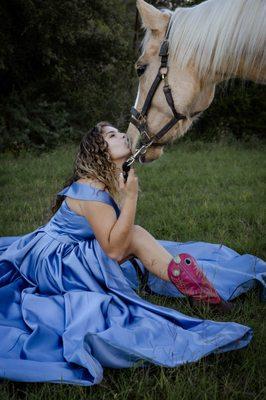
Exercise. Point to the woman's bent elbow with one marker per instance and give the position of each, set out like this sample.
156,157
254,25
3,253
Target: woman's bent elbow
116,256
120,253
112,256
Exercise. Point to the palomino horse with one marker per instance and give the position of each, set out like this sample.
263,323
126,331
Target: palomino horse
208,43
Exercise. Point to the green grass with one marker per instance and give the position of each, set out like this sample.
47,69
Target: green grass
196,191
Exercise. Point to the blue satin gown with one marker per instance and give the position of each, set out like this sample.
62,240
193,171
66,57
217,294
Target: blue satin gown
67,310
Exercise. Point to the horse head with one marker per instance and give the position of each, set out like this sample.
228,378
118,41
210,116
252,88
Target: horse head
190,94
201,54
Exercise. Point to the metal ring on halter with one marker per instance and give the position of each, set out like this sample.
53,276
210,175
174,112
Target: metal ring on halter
130,160
140,151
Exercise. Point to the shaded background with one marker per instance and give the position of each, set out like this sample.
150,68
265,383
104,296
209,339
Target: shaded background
66,65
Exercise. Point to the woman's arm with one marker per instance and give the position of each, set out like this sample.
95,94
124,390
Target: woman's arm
114,234
120,235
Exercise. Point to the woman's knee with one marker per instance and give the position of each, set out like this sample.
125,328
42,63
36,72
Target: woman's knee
137,234
138,237
137,230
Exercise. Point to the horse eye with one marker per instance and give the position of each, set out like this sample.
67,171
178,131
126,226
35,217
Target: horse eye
141,69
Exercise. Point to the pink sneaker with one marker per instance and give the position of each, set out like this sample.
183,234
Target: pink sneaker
185,274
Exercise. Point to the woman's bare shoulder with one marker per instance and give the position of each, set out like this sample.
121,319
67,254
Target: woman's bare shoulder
92,182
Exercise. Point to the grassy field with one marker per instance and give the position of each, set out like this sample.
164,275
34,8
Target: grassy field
196,191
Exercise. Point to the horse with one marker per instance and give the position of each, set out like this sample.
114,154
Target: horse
208,43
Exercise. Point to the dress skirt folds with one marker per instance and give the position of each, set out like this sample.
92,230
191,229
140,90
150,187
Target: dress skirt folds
67,310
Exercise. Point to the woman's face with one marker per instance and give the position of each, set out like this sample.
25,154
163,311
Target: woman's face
118,143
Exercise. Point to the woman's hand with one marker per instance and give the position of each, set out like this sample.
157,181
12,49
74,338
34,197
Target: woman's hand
130,187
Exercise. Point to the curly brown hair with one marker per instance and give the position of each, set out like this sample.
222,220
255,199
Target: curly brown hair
93,160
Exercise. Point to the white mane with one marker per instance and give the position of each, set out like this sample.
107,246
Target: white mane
219,32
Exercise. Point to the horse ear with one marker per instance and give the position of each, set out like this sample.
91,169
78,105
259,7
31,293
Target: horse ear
151,17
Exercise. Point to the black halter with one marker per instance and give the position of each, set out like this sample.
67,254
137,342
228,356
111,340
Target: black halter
139,118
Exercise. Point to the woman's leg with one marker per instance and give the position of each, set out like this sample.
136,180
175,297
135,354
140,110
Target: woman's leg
188,278
153,256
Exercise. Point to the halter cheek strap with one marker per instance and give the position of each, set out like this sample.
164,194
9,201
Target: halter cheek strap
139,119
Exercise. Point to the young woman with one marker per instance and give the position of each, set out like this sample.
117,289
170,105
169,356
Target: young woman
99,163
67,302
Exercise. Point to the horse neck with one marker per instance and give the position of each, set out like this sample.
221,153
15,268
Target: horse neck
221,39
255,72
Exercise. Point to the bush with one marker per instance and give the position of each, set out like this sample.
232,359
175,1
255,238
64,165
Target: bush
66,65
38,125
62,64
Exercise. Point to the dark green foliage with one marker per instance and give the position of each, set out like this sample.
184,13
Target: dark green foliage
65,65
71,55
40,125
238,111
